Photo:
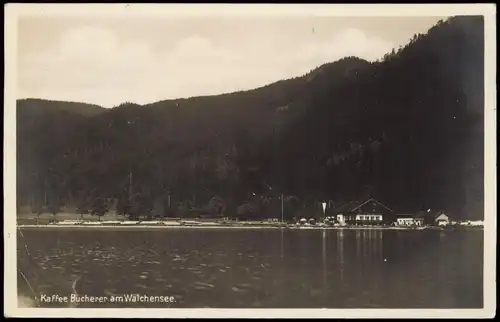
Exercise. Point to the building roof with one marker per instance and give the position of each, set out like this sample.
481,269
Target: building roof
441,216
356,204
348,206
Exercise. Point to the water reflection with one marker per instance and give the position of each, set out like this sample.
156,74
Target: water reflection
358,243
281,239
231,269
325,288
340,252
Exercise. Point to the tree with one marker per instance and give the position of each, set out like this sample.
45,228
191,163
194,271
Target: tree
147,206
123,206
54,208
99,207
247,211
422,97
167,204
143,205
231,208
82,207
291,207
267,207
38,209
216,205
132,208
158,210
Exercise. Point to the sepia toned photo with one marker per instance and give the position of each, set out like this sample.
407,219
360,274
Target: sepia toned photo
250,161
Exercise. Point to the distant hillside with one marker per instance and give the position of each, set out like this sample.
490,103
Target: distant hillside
38,107
407,129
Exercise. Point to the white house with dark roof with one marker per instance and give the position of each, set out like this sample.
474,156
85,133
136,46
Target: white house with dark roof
442,219
368,212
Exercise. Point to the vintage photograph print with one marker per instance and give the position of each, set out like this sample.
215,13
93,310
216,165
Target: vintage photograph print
277,158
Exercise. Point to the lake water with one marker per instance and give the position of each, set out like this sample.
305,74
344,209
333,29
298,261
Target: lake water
226,268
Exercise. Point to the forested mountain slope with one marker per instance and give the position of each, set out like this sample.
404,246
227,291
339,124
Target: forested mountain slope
408,130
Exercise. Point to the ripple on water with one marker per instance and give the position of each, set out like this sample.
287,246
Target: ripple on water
200,288
237,290
197,273
110,292
257,278
152,262
244,285
203,285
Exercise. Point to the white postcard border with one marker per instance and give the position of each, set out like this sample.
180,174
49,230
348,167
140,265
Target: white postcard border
13,11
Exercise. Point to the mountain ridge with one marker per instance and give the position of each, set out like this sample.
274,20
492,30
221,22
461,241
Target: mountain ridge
392,129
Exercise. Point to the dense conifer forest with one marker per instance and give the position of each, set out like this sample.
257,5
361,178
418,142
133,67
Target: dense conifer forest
407,130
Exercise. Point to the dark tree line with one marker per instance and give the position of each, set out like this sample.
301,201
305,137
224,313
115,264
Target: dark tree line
409,127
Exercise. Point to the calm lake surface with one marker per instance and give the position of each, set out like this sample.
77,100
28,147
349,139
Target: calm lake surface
226,268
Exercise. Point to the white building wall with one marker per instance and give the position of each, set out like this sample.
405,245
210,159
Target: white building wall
405,221
370,217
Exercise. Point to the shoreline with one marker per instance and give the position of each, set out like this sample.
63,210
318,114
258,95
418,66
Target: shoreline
159,226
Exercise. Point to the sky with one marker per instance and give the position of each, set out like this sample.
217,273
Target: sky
108,61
